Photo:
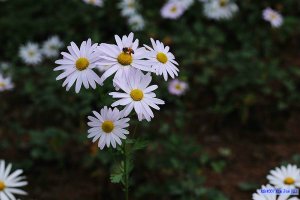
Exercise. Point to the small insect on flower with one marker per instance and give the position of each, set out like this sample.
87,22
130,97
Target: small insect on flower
272,16
51,47
108,126
162,61
172,10
31,53
78,65
285,177
220,9
177,87
138,95
268,192
5,83
10,183
94,2
123,58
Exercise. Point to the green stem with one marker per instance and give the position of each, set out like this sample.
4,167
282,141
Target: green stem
126,184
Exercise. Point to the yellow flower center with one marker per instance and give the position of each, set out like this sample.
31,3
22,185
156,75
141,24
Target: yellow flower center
2,186
178,87
289,181
273,16
2,85
108,126
31,53
82,64
161,57
125,58
137,95
173,9
223,3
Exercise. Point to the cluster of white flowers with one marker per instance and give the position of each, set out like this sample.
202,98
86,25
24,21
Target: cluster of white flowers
129,9
98,3
10,182
273,17
285,177
32,54
127,61
174,9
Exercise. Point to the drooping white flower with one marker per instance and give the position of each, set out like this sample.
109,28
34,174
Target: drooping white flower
138,95
136,22
220,9
124,58
30,53
128,7
51,47
172,10
285,177
177,87
268,192
5,83
78,65
108,127
272,16
10,182
94,2
162,61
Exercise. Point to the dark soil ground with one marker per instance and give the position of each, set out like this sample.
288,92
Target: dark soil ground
253,154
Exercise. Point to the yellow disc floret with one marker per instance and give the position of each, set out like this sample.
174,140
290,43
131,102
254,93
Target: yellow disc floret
289,181
2,186
173,9
82,64
108,126
178,87
223,3
161,57
2,85
137,95
125,58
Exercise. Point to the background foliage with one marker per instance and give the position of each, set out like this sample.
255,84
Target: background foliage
240,71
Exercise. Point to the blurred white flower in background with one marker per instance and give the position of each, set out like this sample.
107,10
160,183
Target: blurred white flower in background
50,47
272,16
5,83
10,182
31,53
136,22
172,10
94,2
285,177
128,7
4,66
177,87
220,9
262,194
78,65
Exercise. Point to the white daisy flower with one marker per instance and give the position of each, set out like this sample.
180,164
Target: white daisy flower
124,58
162,61
128,7
94,2
262,194
285,177
185,3
30,53
172,10
108,127
177,87
103,68
10,182
136,22
138,95
5,83
78,65
51,47
272,16
220,9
